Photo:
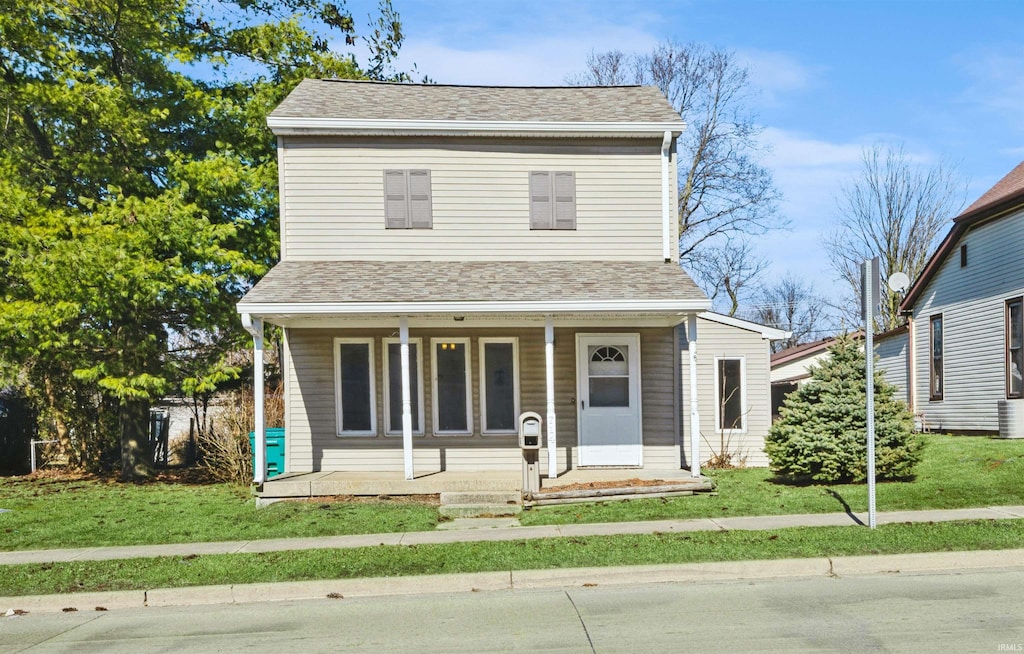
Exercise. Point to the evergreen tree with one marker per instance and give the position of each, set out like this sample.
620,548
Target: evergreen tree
821,435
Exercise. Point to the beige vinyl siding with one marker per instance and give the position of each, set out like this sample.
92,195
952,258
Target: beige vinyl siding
724,341
310,410
894,361
972,303
333,202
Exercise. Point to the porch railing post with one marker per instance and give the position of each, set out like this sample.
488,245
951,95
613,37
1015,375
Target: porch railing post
691,340
549,357
255,327
403,328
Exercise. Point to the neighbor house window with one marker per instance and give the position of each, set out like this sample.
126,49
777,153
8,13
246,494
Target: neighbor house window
729,387
963,255
1015,348
393,388
499,385
407,201
452,391
552,200
935,358
354,387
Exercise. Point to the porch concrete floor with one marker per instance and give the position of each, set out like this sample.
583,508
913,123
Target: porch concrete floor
320,484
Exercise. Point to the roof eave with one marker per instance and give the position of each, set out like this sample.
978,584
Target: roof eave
471,307
295,126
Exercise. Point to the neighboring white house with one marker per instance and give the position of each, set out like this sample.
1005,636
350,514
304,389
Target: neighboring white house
791,367
966,329
892,357
454,256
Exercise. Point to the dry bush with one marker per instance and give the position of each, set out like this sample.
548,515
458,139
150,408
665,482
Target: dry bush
225,453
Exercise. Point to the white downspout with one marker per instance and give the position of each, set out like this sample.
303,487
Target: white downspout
666,197
549,358
255,327
403,332
691,339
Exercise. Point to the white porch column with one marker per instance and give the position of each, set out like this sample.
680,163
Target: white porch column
549,358
403,329
691,340
255,327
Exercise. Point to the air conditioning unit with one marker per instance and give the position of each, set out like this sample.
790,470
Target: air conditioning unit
1011,418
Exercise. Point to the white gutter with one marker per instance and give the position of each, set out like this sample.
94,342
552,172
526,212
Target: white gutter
666,196
284,126
570,306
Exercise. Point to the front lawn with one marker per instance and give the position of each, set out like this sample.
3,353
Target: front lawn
595,551
955,472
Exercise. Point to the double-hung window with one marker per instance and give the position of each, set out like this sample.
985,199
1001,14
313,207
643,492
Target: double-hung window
1015,348
354,387
407,199
499,385
729,389
452,392
935,357
552,199
393,387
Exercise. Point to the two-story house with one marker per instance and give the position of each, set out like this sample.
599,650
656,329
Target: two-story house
966,327
453,256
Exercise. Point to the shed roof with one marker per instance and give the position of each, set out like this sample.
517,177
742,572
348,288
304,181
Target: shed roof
394,283
366,100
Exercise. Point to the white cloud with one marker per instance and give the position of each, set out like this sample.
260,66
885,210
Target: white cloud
776,73
996,81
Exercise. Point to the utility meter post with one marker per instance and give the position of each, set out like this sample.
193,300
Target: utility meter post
529,442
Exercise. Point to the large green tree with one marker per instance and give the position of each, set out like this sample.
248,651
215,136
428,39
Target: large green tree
138,186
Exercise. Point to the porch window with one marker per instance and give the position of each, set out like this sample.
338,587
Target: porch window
935,358
354,386
452,399
729,389
393,389
609,376
499,384
1015,348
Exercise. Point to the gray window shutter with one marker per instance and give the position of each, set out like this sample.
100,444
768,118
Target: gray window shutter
395,206
420,215
540,200
565,200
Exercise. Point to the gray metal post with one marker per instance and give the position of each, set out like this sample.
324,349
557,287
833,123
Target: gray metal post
871,292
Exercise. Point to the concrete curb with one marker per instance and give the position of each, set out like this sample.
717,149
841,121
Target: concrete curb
568,578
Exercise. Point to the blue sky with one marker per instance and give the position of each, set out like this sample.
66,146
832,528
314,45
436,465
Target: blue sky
943,78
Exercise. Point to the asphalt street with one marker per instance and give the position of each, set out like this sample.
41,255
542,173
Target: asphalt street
980,611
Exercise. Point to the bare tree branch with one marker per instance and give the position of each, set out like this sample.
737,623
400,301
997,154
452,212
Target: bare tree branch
793,306
894,210
726,272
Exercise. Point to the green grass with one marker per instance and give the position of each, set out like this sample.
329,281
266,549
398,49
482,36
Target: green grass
168,572
54,513
956,472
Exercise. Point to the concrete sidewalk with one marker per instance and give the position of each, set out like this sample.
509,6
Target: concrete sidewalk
749,523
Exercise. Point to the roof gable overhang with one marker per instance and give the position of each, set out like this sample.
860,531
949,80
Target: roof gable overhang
294,126
961,225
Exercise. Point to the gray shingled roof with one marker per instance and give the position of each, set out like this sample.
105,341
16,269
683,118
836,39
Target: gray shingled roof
360,100
299,282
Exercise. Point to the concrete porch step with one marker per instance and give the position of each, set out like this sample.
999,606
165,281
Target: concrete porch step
475,504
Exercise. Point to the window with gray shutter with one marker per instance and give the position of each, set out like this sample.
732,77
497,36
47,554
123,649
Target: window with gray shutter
552,200
407,199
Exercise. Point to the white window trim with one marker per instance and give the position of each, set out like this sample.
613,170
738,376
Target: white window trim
481,345
389,430
337,388
434,342
744,415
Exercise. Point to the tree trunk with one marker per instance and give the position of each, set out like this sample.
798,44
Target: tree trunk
135,455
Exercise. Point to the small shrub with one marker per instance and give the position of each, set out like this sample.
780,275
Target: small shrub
225,452
821,434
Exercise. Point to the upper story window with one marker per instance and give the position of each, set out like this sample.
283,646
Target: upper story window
1015,348
552,200
407,200
963,255
935,358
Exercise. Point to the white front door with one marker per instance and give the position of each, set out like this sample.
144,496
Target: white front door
608,375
